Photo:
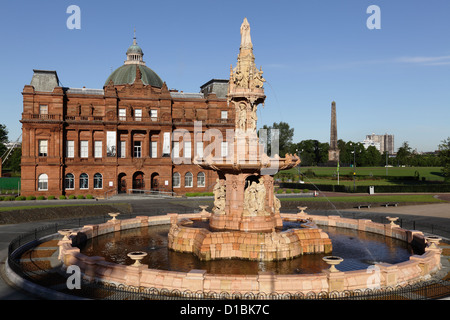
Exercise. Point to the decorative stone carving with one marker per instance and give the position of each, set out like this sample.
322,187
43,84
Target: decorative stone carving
242,116
252,119
255,199
246,41
276,204
219,197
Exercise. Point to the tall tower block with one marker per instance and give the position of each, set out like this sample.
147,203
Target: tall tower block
333,152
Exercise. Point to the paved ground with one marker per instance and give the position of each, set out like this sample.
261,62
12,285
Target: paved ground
438,214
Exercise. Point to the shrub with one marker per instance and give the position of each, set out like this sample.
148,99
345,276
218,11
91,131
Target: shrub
31,198
297,191
89,196
1,198
72,197
80,196
9,198
288,191
51,198
61,197
305,190
279,191
40,198
20,198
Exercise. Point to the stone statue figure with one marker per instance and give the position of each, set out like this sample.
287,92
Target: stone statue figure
250,200
255,198
240,79
242,117
261,195
258,80
276,204
252,119
246,41
219,197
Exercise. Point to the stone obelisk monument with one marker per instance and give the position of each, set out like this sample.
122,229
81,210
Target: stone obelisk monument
333,152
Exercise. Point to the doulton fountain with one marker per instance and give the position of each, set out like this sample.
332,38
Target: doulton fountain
245,224
245,221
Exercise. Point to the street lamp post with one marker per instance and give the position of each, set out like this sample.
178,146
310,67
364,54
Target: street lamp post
298,167
354,167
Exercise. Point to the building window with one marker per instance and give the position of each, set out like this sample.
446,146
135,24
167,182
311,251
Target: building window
176,180
137,149
98,181
200,150
154,115
201,179
188,181
98,150
123,149
84,148
153,149
43,182
43,146
69,181
224,149
224,115
70,152
187,149
84,181
43,111
138,115
122,114
176,149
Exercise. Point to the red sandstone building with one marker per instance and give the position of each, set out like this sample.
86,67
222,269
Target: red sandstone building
120,138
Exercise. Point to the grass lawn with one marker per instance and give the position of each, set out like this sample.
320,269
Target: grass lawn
377,199
430,173
14,208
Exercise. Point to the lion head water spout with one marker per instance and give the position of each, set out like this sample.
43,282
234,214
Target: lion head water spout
246,211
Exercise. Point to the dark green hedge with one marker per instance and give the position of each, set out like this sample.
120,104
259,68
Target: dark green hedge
365,189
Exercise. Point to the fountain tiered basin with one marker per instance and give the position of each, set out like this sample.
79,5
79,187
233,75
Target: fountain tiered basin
209,244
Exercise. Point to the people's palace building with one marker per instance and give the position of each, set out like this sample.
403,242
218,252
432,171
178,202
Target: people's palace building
119,139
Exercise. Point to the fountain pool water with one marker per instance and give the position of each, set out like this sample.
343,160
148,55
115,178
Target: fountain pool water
359,250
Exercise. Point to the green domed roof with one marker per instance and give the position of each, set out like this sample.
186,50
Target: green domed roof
134,48
126,74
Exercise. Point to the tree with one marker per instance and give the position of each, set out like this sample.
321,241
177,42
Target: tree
311,152
3,139
404,154
13,162
444,155
372,157
285,134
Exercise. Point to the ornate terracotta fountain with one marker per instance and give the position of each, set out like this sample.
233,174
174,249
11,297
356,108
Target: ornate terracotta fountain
245,221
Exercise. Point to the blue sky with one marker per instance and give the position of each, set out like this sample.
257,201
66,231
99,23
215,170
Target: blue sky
393,80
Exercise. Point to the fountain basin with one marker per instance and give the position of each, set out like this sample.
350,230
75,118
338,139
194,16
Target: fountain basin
417,268
262,246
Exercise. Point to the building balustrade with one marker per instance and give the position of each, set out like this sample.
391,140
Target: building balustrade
143,119
38,116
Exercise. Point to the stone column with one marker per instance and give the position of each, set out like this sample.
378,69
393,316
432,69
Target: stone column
335,280
194,280
387,273
266,282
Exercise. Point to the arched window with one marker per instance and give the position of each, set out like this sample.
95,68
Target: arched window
201,179
98,181
176,180
69,181
188,181
43,182
84,181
